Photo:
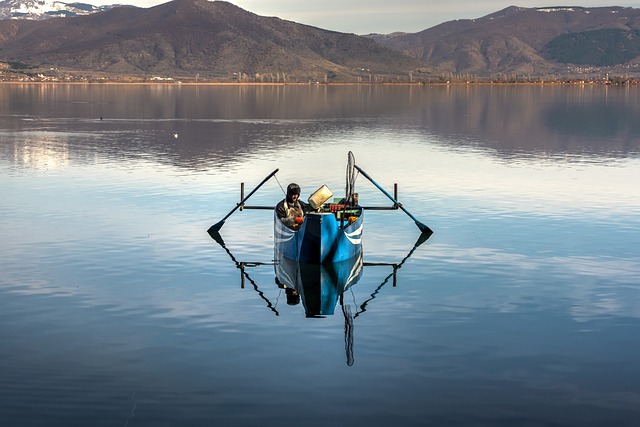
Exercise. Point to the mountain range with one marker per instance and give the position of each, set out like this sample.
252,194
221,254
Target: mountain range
527,40
217,40
187,37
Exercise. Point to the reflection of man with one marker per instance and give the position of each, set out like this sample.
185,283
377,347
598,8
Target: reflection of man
290,210
293,298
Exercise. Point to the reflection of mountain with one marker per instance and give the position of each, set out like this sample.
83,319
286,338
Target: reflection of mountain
535,120
216,125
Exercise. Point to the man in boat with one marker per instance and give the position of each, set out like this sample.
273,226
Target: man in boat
291,210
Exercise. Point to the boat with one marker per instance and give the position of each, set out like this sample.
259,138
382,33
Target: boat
330,232
324,236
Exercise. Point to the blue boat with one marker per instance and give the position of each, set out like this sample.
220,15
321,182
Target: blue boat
324,237
328,234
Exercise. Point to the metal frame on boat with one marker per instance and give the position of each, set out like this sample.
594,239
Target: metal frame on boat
327,234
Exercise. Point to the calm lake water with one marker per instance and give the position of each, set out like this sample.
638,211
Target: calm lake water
118,309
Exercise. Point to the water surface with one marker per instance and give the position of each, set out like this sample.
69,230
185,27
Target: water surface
117,308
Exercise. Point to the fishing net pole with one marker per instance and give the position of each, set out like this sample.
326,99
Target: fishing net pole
352,174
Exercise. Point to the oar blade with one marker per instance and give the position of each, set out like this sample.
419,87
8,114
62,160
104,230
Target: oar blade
216,236
424,236
424,228
215,227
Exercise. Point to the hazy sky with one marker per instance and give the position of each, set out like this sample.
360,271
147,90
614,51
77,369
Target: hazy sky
381,16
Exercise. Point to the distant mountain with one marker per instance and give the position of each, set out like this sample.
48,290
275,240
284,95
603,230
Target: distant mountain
185,37
526,40
44,9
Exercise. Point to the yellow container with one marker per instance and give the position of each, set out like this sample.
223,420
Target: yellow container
317,199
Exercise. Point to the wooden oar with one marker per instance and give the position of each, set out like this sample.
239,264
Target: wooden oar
420,225
218,225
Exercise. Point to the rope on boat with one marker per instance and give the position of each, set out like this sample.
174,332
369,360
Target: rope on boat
281,187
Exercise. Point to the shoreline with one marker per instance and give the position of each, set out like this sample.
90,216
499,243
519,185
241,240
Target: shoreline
258,84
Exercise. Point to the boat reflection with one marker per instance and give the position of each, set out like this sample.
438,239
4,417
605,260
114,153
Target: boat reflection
321,287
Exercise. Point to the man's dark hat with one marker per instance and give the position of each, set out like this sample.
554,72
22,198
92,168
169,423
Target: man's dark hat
293,188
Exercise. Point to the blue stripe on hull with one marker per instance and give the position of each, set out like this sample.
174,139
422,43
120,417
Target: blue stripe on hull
319,240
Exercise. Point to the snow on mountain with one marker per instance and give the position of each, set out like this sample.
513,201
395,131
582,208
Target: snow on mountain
43,9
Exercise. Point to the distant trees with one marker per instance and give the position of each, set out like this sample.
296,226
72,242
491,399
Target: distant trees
424,76
277,77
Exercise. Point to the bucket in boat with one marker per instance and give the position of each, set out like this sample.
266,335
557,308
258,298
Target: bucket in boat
317,199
